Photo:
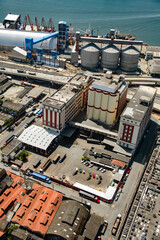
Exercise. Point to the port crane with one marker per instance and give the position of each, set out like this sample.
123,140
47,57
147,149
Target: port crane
30,22
37,24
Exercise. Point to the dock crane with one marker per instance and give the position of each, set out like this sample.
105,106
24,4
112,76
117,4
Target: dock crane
44,25
30,22
51,27
37,24
24,23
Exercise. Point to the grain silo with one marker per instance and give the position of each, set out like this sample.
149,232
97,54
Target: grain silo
112,108
97,104
110,57
91,97
129,59
90,56
90,111
104,106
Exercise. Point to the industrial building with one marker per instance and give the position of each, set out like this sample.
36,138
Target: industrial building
12,21
129,59
136,117
10,150
65,104
154,67
106,100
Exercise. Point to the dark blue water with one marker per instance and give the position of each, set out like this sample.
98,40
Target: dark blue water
137,17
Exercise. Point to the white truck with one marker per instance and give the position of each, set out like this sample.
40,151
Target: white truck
15,167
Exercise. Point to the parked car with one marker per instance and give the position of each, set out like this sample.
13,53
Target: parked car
100,177
83,171
99,182
91,165
80,170
74,173
88,178
116,198
97,168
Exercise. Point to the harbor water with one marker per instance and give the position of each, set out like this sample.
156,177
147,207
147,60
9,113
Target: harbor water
138,17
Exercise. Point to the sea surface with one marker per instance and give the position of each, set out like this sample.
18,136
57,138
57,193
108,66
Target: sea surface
137,17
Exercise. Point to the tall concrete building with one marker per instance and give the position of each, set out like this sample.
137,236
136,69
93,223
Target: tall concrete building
135,117
106,99
66,103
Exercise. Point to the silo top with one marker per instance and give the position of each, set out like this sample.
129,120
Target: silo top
111,49
131,51
91,47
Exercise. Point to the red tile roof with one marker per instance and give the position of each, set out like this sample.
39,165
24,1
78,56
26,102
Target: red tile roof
37,209
118,163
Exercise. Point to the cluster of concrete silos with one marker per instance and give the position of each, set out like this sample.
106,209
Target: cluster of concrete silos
111,57
102,105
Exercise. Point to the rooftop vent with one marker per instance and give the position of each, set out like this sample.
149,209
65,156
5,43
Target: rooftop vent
145,101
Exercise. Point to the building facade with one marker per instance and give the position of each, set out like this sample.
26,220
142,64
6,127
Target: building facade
66,103
135,117
106,100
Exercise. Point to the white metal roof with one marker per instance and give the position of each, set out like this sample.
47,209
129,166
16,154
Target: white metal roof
11,17
20,50
12,37
108,195
38,137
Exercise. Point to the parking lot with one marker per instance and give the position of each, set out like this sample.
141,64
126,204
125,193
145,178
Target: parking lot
72,169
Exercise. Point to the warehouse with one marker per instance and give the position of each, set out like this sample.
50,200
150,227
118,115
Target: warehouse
10,38
38,138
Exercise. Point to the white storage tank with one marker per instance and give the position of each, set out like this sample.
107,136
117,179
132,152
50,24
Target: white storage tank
96,113
90,112
91,97
104,106
110,57
112,108
98,97
90,56
129,59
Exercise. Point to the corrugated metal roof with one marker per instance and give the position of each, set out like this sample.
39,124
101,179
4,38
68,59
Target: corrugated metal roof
38,137
11,17
20,50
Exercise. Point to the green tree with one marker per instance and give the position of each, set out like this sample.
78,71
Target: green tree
8,122
23,156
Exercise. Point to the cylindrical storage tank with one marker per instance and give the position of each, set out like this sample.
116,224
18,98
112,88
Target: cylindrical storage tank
103,114
97,99
96,113
110,57
90,112
90,56
91,97
112,108
129,59
104,105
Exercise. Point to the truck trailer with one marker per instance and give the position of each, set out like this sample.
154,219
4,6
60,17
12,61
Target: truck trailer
40,177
